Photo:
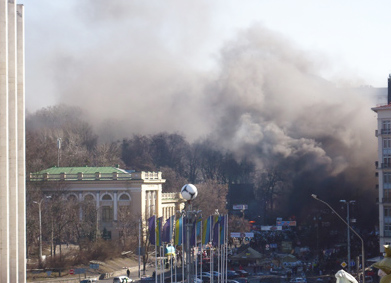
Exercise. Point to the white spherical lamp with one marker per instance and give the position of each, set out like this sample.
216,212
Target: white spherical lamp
189,192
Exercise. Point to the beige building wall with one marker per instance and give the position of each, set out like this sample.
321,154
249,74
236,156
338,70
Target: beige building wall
144,191
4,149
12,143
21,151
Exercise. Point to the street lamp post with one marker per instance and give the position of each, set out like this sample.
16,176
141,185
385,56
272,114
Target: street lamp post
348,222
40,225
317,219
349,227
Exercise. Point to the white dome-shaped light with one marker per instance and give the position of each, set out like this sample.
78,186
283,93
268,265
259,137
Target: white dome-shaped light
189,192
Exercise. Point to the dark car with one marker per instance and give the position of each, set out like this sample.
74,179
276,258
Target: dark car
242,280
232,274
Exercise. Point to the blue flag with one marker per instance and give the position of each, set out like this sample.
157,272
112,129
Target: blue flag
167,230
152,229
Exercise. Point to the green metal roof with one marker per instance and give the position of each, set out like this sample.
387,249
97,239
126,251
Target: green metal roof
86,170
80,174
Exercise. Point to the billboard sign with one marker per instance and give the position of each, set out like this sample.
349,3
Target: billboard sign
286,223
271,228
242,235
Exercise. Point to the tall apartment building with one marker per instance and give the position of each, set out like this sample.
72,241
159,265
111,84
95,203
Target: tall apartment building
383,166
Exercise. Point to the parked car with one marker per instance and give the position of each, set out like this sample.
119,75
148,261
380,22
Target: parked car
242,273
91,280
242,280
368,279
122,279
232,274
206,273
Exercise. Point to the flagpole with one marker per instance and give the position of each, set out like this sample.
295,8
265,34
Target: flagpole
211,267
155,251
226,245
183,255
139,248
218,251
196,252
202,244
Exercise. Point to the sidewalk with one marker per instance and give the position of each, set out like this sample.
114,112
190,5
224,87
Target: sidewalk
110,268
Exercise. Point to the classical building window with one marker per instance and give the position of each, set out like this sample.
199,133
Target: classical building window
387,161
124,197
387,196
89,198
387,180
387,221
107,197
107,214
72,198
386,127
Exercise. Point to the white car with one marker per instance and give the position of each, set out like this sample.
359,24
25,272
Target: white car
122,279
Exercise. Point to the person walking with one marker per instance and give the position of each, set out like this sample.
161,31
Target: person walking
128,272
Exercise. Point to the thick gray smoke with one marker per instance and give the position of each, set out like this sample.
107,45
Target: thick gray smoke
271,101
263,99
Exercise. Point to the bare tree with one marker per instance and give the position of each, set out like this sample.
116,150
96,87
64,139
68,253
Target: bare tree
127,227
211,196
268,186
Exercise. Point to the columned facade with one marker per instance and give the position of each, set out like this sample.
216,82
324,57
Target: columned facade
12,144
113,192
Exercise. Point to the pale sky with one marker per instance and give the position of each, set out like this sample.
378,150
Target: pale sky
350,39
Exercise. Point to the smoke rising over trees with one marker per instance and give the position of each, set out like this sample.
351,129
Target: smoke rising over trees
263,121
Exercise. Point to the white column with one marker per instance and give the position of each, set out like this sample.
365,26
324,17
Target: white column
143,205
13,143
4,172
21,143
158,195
115,206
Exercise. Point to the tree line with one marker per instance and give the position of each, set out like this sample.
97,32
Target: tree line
202,163
221,176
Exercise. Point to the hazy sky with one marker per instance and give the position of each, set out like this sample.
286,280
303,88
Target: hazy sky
348,39
271,81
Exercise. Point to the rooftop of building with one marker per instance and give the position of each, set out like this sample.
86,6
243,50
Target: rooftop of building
382,107
91,174
84,170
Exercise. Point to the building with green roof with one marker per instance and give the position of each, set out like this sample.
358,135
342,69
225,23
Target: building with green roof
110,189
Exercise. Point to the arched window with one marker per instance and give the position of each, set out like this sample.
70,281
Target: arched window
89,197
106,197
72,198
124,197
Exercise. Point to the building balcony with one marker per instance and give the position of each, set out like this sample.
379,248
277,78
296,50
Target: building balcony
385,166
382,132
